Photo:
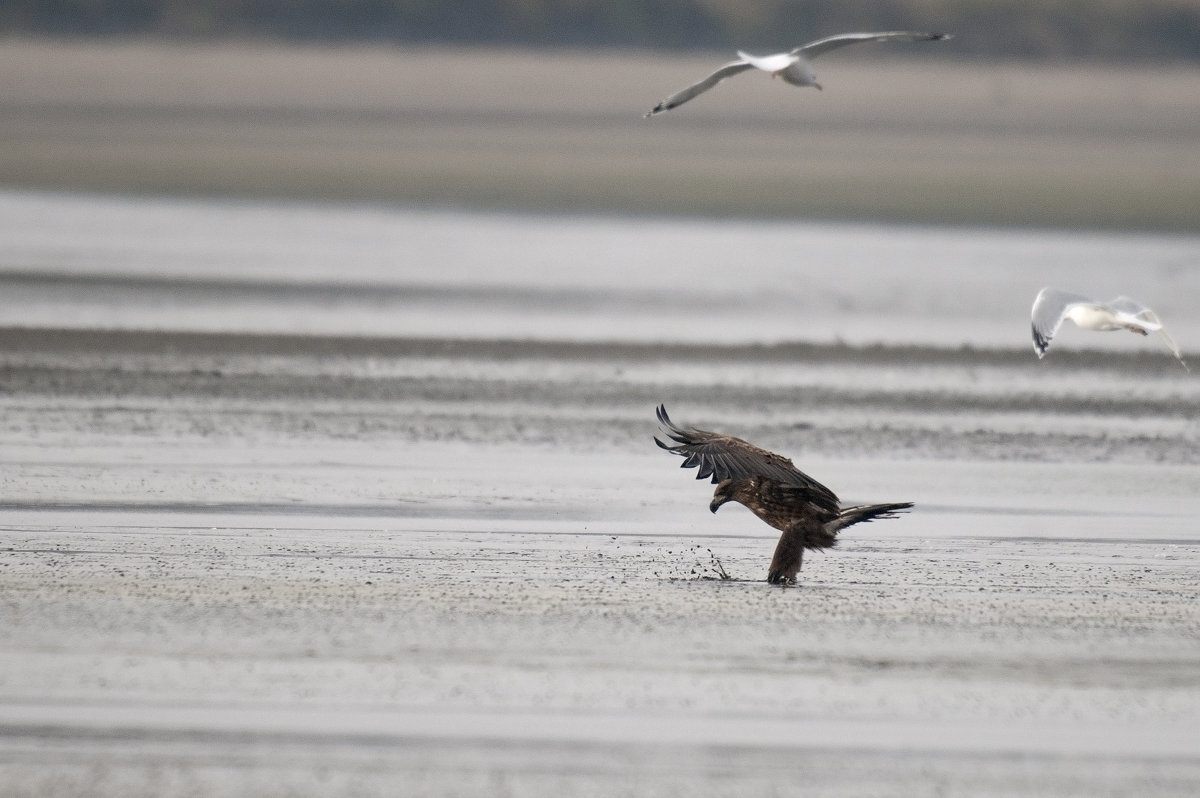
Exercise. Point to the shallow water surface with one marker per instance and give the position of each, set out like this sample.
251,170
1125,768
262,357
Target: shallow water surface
88,261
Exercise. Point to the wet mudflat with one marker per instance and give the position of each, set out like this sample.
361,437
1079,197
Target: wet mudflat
302,565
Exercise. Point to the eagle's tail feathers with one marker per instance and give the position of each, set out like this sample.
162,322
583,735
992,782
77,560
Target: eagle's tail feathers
848,516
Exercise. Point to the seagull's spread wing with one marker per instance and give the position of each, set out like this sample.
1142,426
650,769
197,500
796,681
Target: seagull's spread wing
726,457
1049,311
1149,320
1136,311
683,95
814,49
1174,347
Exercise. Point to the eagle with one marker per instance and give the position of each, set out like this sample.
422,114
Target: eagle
807,513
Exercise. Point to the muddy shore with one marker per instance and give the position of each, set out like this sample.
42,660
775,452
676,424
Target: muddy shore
294,566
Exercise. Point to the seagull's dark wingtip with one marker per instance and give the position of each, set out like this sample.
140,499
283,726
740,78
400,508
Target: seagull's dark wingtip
1040,343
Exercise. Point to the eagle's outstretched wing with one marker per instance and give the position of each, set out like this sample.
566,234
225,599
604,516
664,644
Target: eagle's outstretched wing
726,457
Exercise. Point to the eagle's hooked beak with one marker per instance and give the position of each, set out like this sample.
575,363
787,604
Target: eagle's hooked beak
717,501
720,496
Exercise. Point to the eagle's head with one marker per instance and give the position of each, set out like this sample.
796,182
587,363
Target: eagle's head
722,494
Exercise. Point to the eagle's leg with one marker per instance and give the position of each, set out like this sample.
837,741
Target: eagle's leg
789,553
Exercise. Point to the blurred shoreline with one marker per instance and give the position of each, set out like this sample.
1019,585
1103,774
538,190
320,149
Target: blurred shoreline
900,135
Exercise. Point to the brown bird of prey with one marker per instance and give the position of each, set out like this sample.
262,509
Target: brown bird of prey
807,513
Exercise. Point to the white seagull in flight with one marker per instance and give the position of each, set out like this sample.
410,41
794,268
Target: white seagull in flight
793,66
1052,307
